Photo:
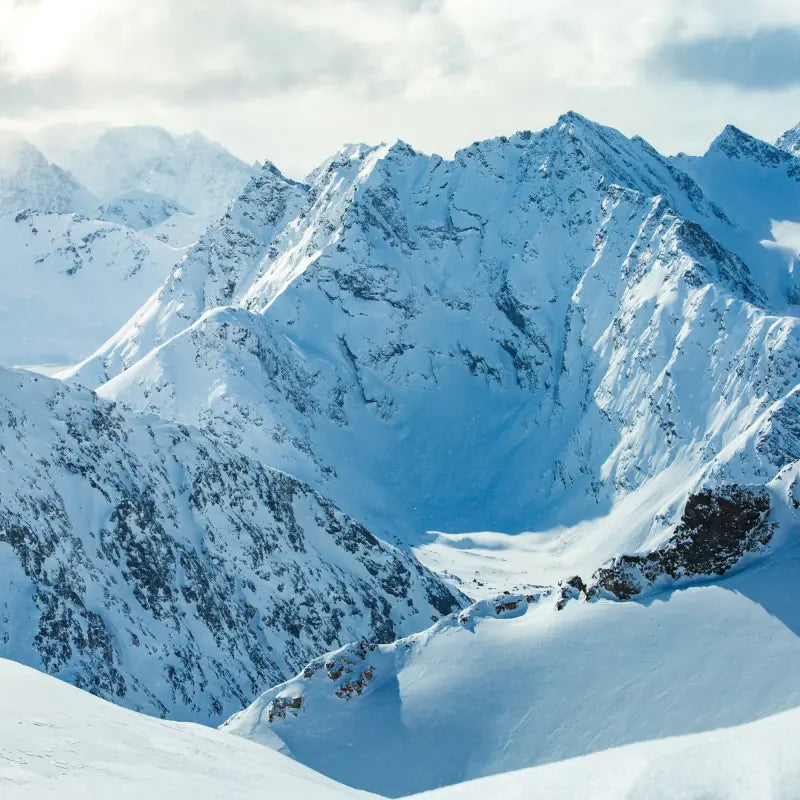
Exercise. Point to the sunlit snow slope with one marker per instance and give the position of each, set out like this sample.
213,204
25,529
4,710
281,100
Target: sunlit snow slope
756,761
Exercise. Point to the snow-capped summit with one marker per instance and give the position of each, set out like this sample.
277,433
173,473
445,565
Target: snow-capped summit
790,140
28,181
189,169
735,143
498,341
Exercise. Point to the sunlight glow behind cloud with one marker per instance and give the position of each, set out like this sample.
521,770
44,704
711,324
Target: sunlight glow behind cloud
291,80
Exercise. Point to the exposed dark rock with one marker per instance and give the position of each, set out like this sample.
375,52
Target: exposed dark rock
718,527
571,589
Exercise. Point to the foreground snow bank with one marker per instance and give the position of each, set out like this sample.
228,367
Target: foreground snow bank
58,741
757,760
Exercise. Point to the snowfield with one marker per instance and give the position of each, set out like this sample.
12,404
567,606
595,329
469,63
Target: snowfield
60,742
756,761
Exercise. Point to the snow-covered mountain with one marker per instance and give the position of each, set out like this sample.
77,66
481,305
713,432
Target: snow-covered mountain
138,210
790,140
759,187
575,360
513,682
70,281
28,181
537,335
188,170
155,567
67,282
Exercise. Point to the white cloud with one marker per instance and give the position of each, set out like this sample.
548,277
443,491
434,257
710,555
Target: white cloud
288,80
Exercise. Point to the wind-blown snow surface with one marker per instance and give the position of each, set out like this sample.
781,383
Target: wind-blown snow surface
59,742
537,335
511,682
154,566
756,760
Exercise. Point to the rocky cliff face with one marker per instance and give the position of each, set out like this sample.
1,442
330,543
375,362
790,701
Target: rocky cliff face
155,567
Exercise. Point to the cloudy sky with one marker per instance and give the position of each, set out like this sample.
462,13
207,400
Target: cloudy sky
293,79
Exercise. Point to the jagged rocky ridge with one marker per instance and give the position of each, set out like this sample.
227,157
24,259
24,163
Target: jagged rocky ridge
551,305
157,568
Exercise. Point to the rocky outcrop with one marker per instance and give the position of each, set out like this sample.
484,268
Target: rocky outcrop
570,589
718,528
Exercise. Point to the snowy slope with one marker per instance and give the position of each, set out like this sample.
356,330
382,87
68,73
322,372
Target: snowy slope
512,682
67,283
759,187
537,335
190,169
157,568
211,274
745,762
59,742
29,181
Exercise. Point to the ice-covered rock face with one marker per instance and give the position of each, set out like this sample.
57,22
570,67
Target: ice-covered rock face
515,339
717,530
155,567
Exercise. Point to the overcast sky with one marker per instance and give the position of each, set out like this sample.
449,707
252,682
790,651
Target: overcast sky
292,80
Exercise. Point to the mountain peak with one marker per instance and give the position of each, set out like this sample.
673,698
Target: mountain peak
790,141
736,143
574,118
